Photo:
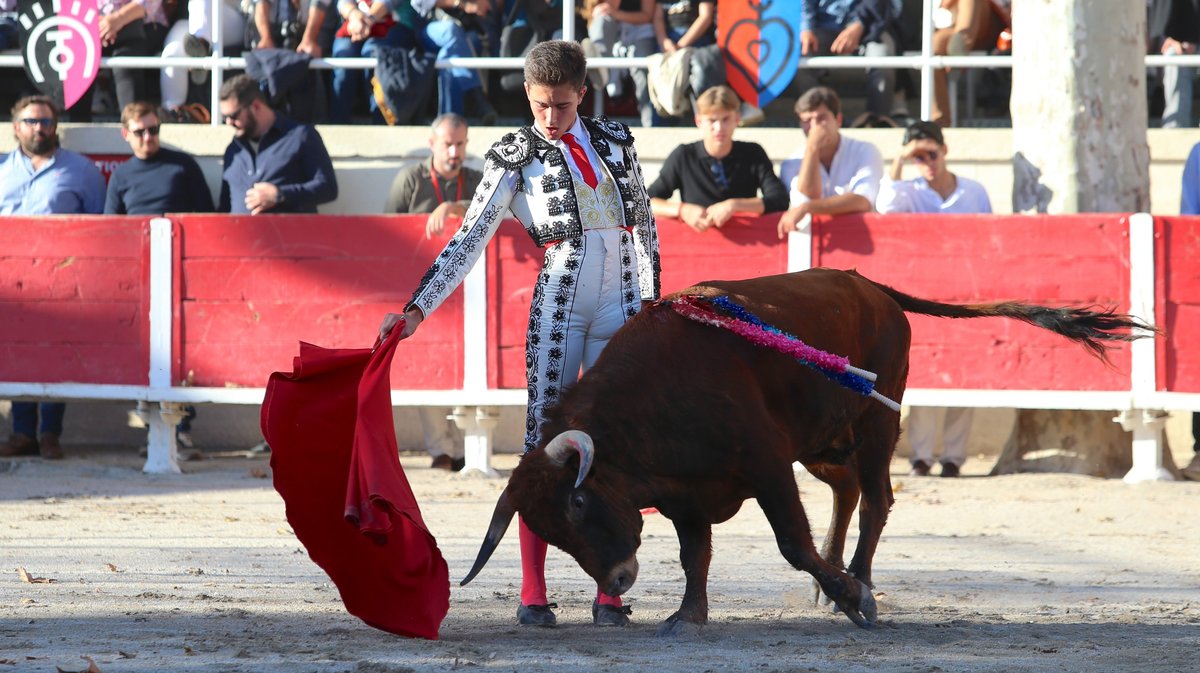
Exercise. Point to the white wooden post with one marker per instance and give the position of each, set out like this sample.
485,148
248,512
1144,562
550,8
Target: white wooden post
162,454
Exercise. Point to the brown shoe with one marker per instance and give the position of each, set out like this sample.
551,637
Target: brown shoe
920,468
950,470
19,445
442,462
51,450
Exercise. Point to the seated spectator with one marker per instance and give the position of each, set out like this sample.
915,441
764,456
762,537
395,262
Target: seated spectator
156,180
625,28
970,26
849,27
127,28
41,178
935,190
284,24
10,32
358,36
833,174
1175,30
273,164
717,177
442,187
685,23
192,36
459,89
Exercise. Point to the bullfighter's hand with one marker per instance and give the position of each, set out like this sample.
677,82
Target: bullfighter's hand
262,197
847,41
412,319
789,219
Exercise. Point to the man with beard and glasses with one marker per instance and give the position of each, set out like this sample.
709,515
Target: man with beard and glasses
41,178
273,164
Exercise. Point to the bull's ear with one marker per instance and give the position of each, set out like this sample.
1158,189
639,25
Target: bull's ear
565,444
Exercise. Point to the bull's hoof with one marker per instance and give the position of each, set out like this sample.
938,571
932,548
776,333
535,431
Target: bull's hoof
866,612
675,627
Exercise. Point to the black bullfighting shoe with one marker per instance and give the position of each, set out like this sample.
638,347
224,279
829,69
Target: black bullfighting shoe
536,615
610,615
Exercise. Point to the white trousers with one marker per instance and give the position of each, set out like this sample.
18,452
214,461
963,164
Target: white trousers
435,428
586,290
922,428
174,81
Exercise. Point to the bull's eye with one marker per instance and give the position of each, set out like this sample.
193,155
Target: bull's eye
578,501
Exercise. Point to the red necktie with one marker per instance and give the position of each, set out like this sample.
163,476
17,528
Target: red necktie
581,160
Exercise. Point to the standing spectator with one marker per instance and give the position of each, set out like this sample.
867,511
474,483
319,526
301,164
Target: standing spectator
273,164
127,28
358,36
936,190
849,27
626,28
156,181
1190,205
41,178
1175,30
834,175
718,176
442,188
576,185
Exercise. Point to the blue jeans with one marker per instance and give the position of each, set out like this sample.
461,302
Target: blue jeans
447,39
25,418
346,83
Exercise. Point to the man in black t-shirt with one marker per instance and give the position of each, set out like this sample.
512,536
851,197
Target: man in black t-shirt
155,180
717,177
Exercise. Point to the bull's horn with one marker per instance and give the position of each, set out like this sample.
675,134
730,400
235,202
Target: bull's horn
501,518
560,448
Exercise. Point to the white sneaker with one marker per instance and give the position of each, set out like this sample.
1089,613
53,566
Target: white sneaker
185,440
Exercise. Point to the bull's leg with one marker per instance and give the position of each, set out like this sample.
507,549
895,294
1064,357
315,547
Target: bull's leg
844,485
695,554
780,501
874,461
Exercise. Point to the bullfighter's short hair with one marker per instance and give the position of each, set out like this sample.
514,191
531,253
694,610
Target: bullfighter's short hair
555,63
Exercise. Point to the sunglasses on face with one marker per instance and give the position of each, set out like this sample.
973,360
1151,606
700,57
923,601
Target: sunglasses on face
149,130
39,121
926,157
236,114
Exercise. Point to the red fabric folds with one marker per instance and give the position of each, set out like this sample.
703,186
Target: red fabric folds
336,465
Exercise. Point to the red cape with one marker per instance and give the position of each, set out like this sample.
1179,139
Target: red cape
336,464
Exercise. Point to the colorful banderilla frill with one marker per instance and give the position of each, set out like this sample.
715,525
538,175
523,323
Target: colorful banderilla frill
745,324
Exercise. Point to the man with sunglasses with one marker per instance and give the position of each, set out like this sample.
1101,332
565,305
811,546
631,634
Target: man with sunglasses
41,178
156,180
935,190
717,177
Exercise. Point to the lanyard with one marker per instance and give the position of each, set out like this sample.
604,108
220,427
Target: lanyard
437,190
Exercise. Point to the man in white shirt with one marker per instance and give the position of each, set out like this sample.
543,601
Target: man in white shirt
936,190
833,174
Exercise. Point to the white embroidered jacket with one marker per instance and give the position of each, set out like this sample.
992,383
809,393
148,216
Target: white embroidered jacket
528,175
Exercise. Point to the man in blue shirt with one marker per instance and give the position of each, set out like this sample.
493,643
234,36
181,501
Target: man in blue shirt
41,178
155,180
273,164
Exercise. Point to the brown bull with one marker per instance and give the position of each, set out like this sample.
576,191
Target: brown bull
693,420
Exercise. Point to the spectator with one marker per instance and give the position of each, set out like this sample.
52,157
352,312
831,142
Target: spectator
834,175
10,33
41,178
848,27
625,28
127,28
273,163
936,190
1175,30
459,89
685,23
443,188
592,215
970,27
358,36
192,36
718,176
1190,205
283,24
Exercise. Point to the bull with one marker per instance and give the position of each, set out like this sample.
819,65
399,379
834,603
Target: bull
694,420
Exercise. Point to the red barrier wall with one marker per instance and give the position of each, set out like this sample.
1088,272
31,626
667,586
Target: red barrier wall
743,248
1177,302
252,287
1076,259
75,299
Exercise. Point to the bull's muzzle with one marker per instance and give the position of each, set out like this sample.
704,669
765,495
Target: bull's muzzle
621,578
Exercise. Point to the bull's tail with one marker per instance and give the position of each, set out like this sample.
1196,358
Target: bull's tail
1093,327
